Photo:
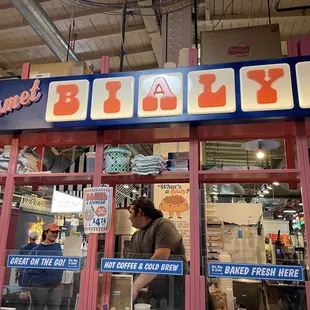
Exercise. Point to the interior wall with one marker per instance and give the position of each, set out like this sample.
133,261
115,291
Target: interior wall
23,224
239,213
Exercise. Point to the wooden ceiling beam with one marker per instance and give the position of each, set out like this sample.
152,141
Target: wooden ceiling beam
15,47
243,17
88,56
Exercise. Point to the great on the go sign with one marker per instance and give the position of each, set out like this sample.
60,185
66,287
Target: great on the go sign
262,88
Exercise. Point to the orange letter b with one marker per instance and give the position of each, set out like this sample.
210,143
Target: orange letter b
67,104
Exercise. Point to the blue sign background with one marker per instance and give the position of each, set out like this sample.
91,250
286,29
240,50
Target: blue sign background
33,117
44,262
258,272
164,267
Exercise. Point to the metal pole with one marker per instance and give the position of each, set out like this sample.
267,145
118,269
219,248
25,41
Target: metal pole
196,23
123,52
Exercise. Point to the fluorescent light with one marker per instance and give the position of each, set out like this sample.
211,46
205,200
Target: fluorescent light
269,186
126,186
276,183
134,191
260,154
266,191
261,195
289,211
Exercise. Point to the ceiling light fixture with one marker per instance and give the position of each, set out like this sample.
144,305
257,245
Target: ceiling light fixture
126,186
276,183
260,154
266,191
269,186
289,210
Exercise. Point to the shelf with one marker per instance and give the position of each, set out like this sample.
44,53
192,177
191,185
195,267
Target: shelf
129,178
248,176
53,178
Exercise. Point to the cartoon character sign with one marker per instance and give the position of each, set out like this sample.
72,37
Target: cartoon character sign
174,204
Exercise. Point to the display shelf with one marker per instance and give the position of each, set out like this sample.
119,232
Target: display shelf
129,178
53,178
248,176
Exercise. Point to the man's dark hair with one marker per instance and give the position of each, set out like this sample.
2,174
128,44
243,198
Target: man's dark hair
147,208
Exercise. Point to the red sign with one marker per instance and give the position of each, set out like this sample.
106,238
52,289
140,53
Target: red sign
241,50
284,238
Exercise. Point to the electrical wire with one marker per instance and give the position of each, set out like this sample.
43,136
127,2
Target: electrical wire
226,9
134,6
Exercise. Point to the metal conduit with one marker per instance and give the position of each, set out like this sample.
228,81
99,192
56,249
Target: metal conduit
38,19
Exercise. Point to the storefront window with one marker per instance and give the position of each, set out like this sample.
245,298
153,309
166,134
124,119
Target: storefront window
254,246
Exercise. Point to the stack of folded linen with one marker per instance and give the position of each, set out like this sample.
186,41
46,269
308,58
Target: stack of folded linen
148,165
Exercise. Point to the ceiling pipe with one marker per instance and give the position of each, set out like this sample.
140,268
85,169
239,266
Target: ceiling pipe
38,19
295,8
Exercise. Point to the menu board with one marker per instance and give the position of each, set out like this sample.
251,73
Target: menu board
173,201
97,209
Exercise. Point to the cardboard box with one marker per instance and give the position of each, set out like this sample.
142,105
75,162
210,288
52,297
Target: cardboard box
59,69
241,44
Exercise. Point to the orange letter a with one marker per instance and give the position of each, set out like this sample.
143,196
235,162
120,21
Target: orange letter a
67,104
210,99
266,94
168,101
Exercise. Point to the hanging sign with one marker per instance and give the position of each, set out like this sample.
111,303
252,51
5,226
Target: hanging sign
164,267
97,209
218,93
257,272
44,262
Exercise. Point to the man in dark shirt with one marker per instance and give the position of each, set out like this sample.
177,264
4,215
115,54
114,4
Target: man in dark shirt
157,238
23,275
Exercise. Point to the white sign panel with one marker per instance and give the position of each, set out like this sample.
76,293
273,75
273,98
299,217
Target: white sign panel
97,209
64,203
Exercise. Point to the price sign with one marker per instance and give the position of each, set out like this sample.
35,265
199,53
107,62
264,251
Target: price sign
97,209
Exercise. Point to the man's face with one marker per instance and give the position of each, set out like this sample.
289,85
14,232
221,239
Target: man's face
51,236
135,218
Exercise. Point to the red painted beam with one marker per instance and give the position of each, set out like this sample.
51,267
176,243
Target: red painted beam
7,206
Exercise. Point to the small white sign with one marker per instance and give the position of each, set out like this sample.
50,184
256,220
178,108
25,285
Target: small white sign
67,101
211,91
303,74
113,98
160,95
64,203
266,88
97,209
